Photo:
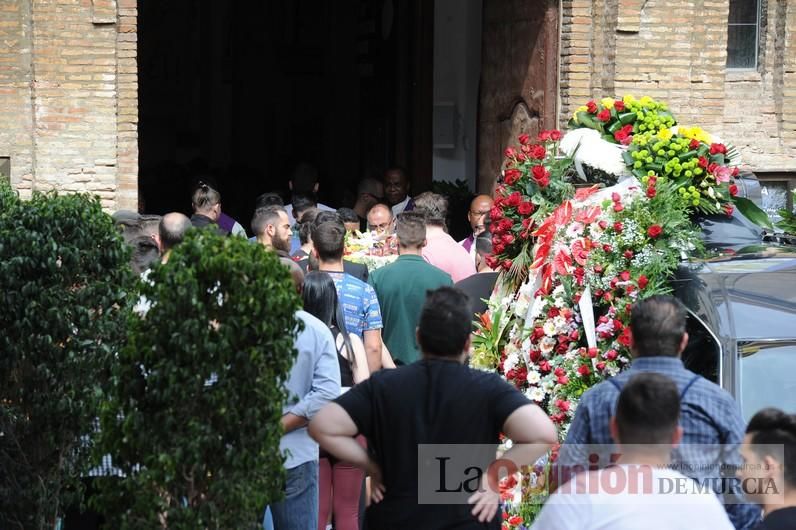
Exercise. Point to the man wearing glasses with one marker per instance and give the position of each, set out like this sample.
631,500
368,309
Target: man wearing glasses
479,210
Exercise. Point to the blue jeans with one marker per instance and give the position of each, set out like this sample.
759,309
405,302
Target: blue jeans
299,509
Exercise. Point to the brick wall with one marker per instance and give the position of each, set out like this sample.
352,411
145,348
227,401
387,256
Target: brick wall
675,50
68,102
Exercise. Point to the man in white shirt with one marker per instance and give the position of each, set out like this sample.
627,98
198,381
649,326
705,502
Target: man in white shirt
639,492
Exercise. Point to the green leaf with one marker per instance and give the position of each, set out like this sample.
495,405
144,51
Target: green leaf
626,118
752,212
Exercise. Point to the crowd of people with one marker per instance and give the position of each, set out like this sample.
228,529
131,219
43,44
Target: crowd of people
382,369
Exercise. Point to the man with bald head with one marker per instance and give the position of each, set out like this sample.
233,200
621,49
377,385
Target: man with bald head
172,230
381,220
479,210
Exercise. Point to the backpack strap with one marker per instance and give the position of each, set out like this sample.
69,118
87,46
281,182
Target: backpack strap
688,386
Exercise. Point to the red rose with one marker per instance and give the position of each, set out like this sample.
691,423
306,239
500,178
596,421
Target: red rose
539,172
584,370
733,190
511,176
604,115
712,167
651,192
603,224
608,297
607,247
624,338
592,352
610,355
619,105
544,366
524,139
505,224
521,157
525,208
591,106
563,380
514,199
694,145
510,152
620,135
562,405
735,171
544,136
507,264
616,197
498,248
703,162
515,520
618,207
496,213
601,366
628,254
642,281
728,209
543,182
654,231
718,149
508,239
491,261
555,135
538,152
553,312
624,276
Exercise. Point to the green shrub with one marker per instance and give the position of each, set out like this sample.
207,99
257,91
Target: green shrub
200,455
64,290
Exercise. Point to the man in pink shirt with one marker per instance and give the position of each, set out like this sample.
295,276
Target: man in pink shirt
442,250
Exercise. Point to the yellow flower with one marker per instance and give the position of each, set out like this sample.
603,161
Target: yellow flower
628,99
664,134
646,101
608,103
694,133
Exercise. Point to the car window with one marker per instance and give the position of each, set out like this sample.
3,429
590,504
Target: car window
767,376
701,355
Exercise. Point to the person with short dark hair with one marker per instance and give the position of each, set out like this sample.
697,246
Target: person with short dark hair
713,427
349,218
436,400
640,490
272,229
769,459
357,270
396,190
305,180
370,191
361,306
303,202
268,199
402,286
305,224
442,250
171,231
479,286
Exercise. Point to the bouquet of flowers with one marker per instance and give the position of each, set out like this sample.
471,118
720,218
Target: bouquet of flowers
532,185
370,249
618,120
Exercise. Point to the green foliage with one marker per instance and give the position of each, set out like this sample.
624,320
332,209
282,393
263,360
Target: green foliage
788,222
64,291
196,453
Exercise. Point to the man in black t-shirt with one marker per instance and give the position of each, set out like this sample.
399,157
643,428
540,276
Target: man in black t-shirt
768,473
437,400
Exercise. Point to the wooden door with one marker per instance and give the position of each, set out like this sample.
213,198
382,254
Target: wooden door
519,78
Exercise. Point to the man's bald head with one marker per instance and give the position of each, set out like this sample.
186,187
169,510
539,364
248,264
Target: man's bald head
380,219
172,230
479,211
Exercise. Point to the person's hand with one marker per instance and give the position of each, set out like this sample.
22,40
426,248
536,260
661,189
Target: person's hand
377,488
485,503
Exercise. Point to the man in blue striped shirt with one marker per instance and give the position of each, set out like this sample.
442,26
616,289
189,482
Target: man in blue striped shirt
713,427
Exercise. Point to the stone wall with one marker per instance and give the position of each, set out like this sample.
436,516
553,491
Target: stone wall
68,96
675,50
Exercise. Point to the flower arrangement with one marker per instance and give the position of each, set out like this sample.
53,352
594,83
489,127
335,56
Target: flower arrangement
370,249
532,185
618,120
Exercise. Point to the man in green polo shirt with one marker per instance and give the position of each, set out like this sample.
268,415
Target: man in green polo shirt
401,287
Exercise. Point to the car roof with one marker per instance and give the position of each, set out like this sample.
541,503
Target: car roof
743,295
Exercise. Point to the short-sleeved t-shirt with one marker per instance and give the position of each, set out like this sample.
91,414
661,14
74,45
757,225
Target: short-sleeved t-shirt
360,304
427,402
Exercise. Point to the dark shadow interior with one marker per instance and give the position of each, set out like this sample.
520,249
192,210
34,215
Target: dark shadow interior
701,356
245,95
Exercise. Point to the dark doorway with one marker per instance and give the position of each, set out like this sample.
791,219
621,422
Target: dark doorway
247,94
